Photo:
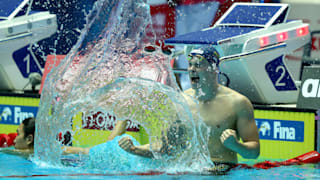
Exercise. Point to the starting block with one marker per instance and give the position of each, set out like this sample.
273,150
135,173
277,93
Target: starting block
20,28
253,39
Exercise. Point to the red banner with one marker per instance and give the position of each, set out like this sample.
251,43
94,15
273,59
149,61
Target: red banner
102,121
163,22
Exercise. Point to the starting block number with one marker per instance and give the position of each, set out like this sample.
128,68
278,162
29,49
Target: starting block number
26,61
279,75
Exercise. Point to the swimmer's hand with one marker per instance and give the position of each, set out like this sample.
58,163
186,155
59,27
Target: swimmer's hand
126,144
229,139
142,150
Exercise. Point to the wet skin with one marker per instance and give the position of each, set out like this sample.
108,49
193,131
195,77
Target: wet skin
228,114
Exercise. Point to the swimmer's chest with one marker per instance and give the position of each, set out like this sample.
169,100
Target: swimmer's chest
218,115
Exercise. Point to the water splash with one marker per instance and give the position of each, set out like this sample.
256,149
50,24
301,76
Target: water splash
108,71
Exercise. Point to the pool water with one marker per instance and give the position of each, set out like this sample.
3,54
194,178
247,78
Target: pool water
14,167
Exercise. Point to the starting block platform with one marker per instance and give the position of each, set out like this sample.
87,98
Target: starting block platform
20,28
253,39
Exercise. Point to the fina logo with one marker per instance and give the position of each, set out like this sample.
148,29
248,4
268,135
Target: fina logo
5,114
265,128
288,133
311,88
280,130
19,115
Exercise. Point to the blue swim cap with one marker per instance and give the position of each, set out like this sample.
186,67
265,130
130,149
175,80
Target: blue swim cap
208,52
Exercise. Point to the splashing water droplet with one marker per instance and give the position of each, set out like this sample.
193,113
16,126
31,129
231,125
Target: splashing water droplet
108,71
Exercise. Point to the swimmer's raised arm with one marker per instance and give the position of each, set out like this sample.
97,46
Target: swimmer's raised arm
246,129
74,150
144,150
174,140
119,129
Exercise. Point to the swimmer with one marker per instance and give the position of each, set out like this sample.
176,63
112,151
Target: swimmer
228,113
24,142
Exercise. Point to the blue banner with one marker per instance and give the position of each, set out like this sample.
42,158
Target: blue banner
14,115
281,130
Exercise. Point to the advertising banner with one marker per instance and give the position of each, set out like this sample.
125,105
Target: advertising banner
14,110
309,95
285,133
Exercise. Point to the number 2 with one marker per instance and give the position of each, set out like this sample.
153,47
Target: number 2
283,72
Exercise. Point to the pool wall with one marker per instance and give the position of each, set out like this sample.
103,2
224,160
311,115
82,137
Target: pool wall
284,132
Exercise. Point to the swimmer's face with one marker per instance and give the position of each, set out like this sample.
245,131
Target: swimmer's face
22,142
200,71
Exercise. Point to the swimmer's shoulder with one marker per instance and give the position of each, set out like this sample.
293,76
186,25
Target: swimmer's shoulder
232,93
239,100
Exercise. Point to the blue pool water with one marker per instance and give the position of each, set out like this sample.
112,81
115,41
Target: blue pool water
13,167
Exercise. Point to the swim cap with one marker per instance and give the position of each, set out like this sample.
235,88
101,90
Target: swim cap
208,52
